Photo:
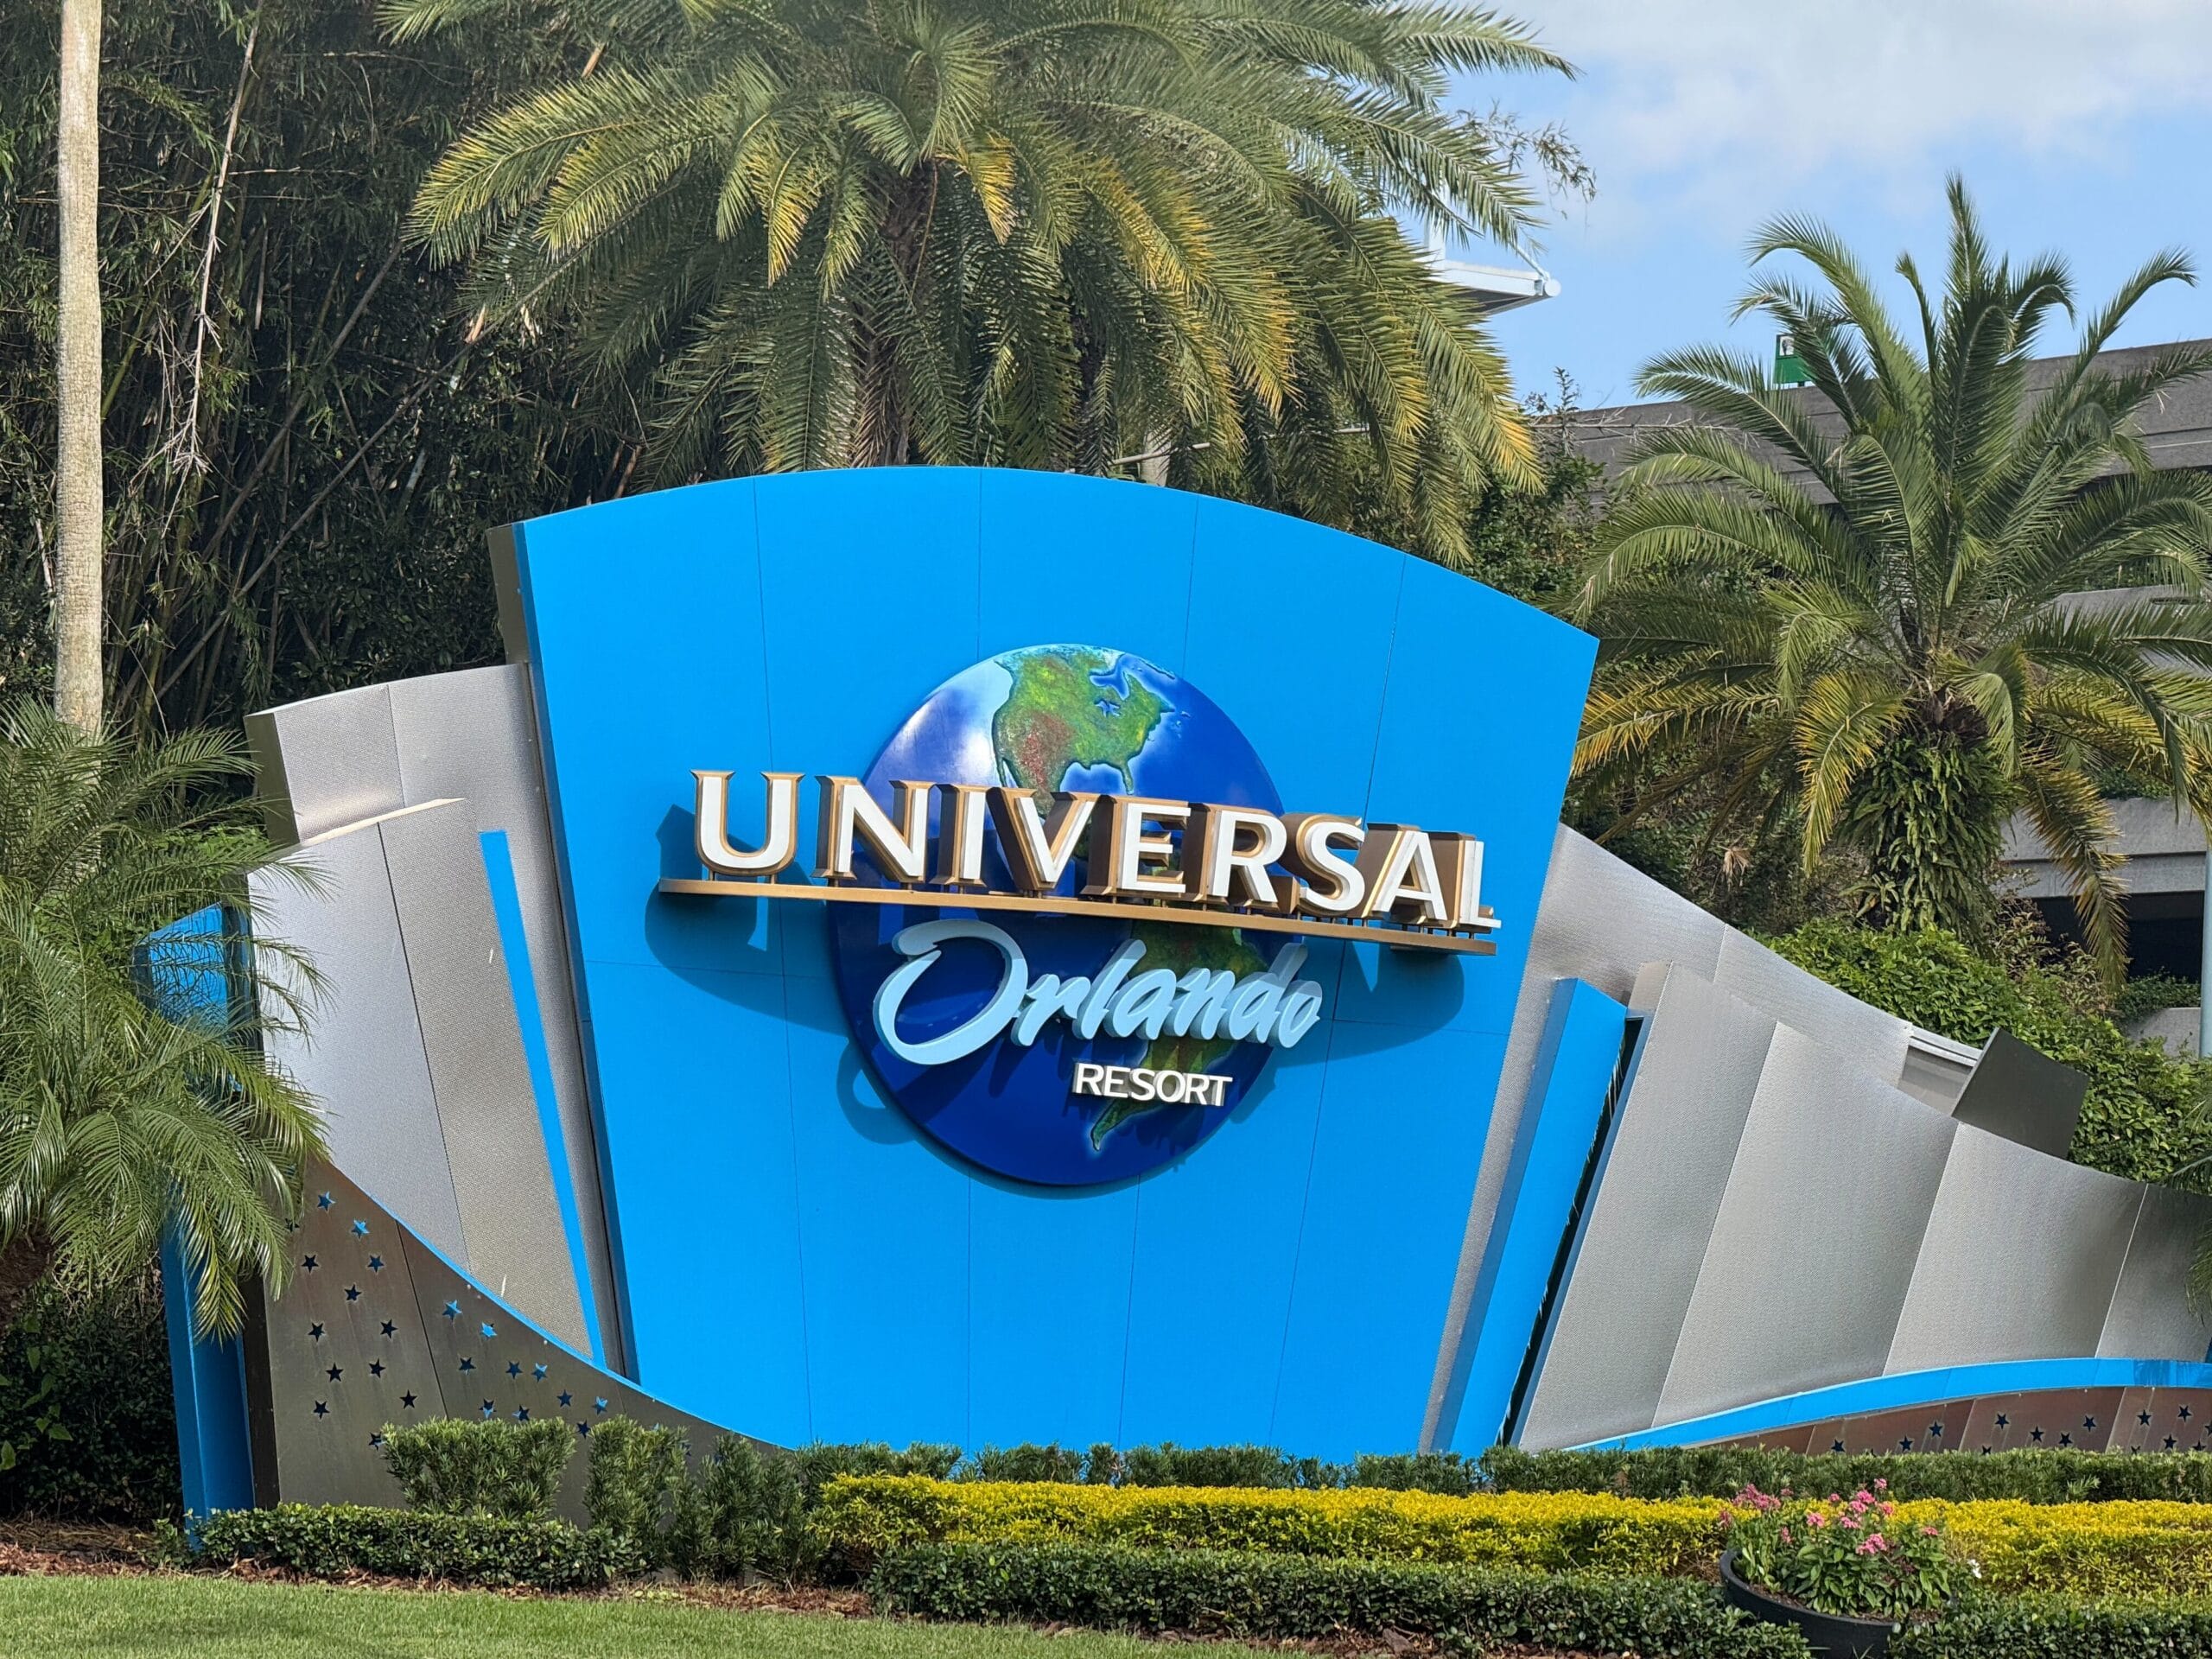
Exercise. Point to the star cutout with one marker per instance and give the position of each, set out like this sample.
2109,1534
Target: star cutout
321,1409
323,1202
2003,1420
352,1293
376,1368
2143,1418
1835,1445
1985,1451
489,1334
487,1408
376,1439
564,1398
408,1401
514,1368
2088,1422
468,1364
315,1332
583,1428
308,1262
2035,1434
599,1405
334,1373
360,1229
522,1413
453,1310
376,1264
2169,1442
389,1329
1905,1443
537,1371
2066,1440
1935,1431
2185,1414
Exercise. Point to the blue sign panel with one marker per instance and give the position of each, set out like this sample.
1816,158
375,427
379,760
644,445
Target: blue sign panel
792,728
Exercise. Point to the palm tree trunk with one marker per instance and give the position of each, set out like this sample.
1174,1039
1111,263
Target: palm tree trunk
23,1263
80,674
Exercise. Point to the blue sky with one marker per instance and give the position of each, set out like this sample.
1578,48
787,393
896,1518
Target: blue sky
2082,126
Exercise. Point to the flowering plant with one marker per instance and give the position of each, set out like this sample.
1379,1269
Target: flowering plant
1846,1556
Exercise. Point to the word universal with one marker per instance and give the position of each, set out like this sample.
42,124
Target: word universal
1184,860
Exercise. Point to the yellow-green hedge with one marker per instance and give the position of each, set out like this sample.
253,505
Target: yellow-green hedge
861,1516
2128,1549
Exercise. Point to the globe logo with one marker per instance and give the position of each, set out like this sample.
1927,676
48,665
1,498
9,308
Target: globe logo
1048,718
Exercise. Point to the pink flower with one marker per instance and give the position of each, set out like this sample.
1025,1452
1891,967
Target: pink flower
1862,1496
1851,1522
1816,1518
1927,1532
1881,1486
1785,1536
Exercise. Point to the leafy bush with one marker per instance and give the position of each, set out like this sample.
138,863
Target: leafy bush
1256,1595
87,1424
744,1514
1447,1472
1853,1556
860,1518
339,1540
2140,1118
454,1466
824,1461
2034,1476
1026,1462
634,1493
2043,1627
2082,1549
1170,1465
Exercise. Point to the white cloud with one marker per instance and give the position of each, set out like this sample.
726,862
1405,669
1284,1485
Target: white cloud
1716,103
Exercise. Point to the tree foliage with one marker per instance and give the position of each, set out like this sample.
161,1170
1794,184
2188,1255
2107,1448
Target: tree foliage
1065,234
303,444
133,1096
1852,610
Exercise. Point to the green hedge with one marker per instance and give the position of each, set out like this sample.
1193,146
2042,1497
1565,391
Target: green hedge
87,1425
337,1539
2038,1627
1269,1597
2034,1476
2140,1118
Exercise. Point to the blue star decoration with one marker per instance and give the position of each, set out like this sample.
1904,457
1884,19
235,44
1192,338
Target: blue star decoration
322,1202
514,1368
360,1229
321,1409
564,1398
315,1332
376,1368
408,1401
599,1405
583,1428
376,1264
537,1371
352,1293
453,1310
376,1439
489,1334
468,1364
389,1329
487,1408
334,1373
522,1413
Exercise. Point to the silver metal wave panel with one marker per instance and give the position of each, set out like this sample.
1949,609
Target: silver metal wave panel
416,1054
472,734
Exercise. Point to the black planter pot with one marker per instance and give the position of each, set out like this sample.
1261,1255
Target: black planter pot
1825,1633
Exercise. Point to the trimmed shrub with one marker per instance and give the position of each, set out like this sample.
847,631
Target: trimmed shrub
1028,1461
87,1423
2081,1549
635,1490
340,1539
453,1465
743,1514
824,1461
1263,1466
1445,1472
1260,1596
2034,1477
861,1518
2044,1627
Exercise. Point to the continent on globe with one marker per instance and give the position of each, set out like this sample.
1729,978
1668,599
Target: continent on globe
1179,949
1073,706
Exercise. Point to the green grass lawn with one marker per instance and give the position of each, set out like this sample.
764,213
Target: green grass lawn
147,1618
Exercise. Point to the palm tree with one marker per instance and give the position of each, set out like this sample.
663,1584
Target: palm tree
1066,233
1859,610
132,1097
80,669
